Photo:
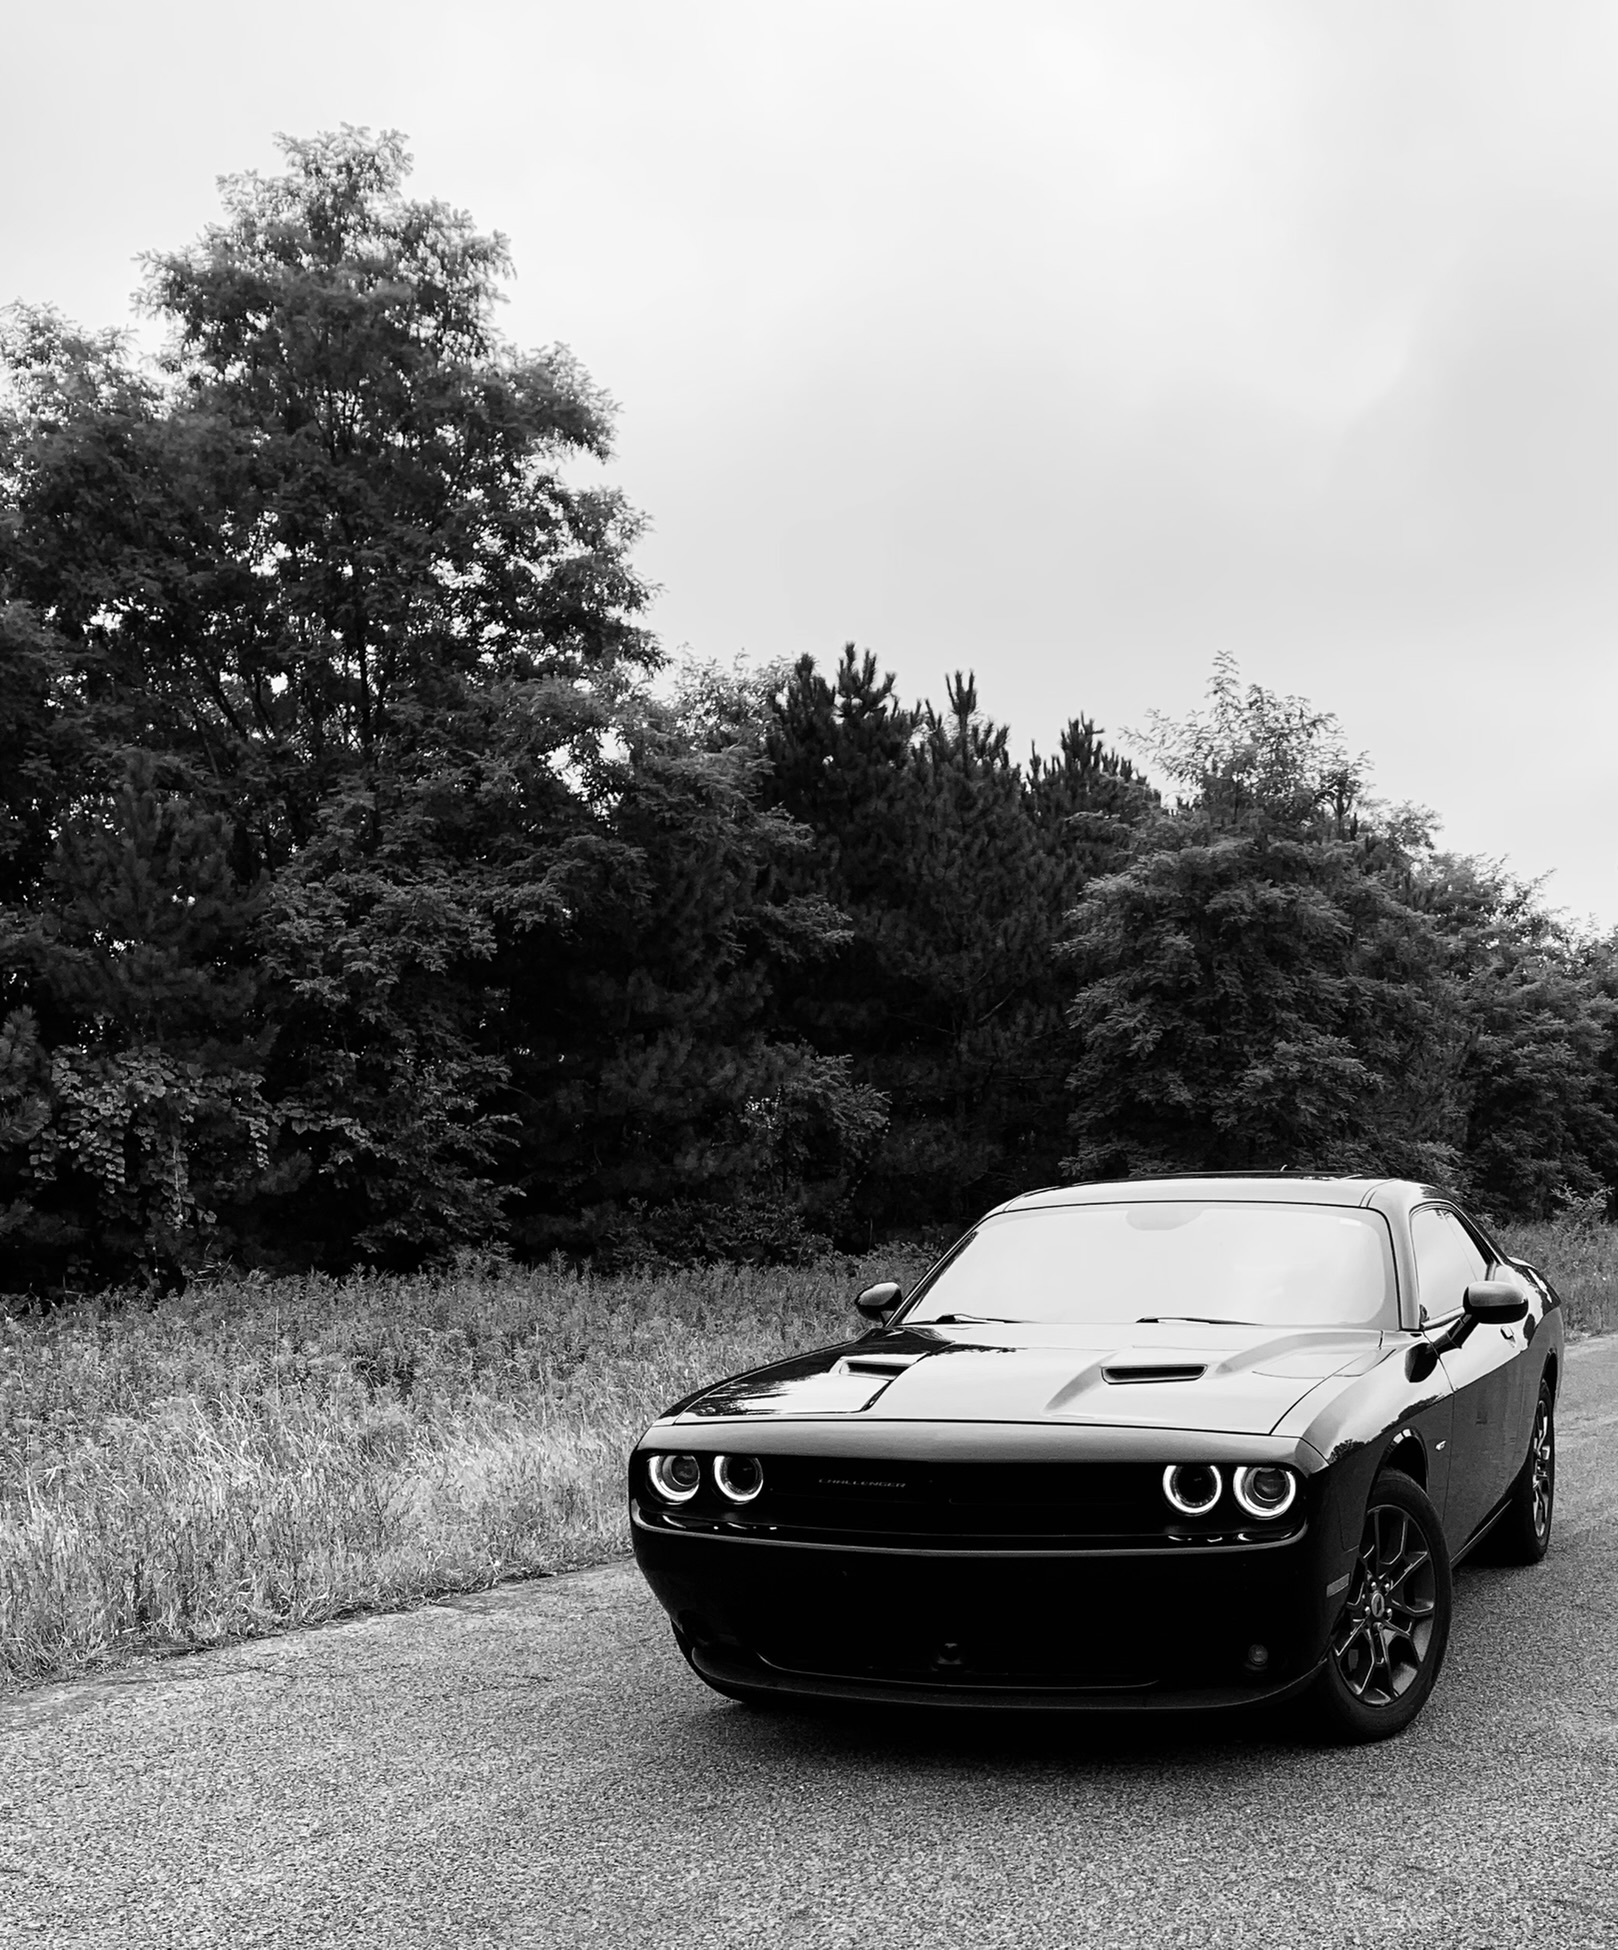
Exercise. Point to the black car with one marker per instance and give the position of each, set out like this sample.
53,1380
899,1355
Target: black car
1164,1443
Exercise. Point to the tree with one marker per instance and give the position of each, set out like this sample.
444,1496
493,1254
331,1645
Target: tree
1539,1010
955,868
663,1108
1252,990
386,473
324,577
136,1051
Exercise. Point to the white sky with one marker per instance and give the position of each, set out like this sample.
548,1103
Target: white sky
1072,342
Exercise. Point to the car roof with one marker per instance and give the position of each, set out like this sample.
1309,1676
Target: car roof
1248,1188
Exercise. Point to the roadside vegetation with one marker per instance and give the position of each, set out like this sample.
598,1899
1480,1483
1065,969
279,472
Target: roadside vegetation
1581,1259
258,1454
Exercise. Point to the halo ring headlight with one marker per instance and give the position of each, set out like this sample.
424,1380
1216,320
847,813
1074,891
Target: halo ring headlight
1265,1489
740,1478
676,1478
1193,1488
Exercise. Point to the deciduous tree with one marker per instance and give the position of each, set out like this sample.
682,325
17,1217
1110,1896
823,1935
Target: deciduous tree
1253,992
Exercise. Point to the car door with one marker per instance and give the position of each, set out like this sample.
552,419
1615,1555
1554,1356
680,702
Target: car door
1483,1456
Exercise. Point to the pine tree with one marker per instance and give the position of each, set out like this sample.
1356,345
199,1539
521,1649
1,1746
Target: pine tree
955,869
662,1109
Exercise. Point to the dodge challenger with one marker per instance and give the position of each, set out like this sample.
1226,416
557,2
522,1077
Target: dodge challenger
1163,1443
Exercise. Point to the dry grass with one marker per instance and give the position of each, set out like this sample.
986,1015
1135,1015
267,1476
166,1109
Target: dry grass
257,1455
1581,1261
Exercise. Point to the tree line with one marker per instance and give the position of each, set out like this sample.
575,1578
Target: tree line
371,886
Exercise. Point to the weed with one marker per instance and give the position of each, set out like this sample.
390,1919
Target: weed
252,1455
1581,1261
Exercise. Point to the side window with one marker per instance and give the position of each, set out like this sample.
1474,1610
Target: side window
1448,1260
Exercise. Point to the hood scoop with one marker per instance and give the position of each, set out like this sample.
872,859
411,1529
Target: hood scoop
1120,1373
886,1366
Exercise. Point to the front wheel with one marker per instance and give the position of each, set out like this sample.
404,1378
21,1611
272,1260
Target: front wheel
1523,1534
1388,1641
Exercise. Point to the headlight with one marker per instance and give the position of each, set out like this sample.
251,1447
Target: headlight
739,1477
675,1478
1265,1489
1193,1488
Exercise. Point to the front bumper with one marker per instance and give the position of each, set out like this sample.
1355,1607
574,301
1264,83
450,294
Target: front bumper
1224,1625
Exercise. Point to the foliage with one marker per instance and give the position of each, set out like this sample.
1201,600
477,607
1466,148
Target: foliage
321,589
1539,1007
367,894
955,867
1253,992
1285,972
646,1062
136,1040
1256,759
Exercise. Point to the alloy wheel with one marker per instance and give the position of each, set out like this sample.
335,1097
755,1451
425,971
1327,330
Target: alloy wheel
1382,1640
1542,1466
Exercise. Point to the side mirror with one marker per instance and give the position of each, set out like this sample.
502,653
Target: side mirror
1494,1301
878,1301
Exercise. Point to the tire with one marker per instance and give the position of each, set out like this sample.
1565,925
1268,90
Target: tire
1388,1641
1523,1534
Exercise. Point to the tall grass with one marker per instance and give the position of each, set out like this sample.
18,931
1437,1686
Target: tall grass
1581,1261
259,1454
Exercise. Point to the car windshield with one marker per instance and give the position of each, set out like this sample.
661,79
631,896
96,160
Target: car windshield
1181,1260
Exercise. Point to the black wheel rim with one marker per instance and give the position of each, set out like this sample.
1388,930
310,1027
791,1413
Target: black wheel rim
1381,1642
1542,1469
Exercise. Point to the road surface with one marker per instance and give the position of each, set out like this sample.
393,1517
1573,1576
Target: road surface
537,1767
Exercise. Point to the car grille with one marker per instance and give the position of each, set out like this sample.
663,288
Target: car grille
1079,1621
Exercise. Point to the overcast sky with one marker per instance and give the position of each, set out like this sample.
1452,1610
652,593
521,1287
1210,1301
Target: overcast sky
1071,342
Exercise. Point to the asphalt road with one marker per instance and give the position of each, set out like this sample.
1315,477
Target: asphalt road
537,1767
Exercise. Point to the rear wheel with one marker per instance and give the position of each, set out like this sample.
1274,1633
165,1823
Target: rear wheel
1388,1641
1523,1534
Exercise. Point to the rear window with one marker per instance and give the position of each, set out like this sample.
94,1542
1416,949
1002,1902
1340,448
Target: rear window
1185,1259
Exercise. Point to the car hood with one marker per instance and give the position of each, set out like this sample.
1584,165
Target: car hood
1235,1379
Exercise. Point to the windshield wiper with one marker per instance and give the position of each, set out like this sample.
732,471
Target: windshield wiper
961,1320
1197,1320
